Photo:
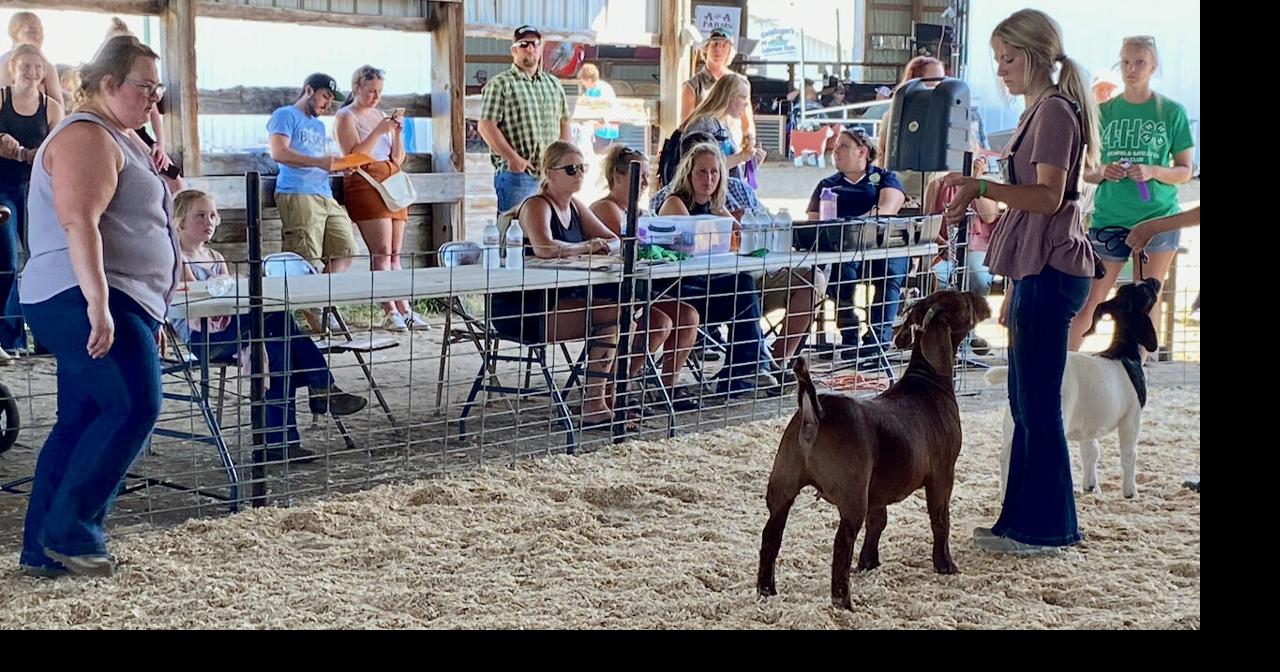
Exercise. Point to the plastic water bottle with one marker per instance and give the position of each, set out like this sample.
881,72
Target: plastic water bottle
492,246
782,231
827,204
750,238
515,245
221,285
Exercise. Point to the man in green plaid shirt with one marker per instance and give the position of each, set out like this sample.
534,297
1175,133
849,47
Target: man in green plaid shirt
524,112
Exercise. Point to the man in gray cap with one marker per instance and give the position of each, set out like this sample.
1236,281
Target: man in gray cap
524,112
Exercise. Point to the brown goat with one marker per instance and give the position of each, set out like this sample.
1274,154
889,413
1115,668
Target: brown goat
863,455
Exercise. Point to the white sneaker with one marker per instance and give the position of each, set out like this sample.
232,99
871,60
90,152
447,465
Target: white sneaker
395,322
5,359
416,321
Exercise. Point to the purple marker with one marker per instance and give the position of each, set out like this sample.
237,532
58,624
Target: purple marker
1143,193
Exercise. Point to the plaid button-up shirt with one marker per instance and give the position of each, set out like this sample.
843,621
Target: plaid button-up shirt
528,111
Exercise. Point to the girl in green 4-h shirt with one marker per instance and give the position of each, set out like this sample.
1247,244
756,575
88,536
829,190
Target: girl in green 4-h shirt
1146,151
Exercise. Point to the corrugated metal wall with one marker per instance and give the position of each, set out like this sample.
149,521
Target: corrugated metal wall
889,23
577,15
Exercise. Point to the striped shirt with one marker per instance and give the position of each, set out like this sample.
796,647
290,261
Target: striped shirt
528,111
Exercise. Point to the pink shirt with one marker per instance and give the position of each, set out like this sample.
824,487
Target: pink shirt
1023,243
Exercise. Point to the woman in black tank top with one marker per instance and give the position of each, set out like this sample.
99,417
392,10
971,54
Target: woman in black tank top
572,314
700,184
26,116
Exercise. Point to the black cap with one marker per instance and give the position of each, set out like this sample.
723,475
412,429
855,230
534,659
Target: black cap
320,80
719,34
527,30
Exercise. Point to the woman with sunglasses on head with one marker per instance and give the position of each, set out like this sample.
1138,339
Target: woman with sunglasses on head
612,212
1040,246
361,127
556,224
1147,150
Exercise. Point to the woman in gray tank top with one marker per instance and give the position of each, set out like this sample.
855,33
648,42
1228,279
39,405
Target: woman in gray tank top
103,268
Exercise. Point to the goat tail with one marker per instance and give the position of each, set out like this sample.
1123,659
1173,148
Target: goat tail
997,375
805,388
810,411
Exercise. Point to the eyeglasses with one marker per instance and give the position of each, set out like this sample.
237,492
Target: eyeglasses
572,169
528,44
152,90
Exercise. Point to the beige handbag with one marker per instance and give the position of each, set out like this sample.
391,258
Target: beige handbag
397,190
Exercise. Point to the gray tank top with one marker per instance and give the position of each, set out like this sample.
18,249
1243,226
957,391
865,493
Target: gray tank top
139,249
181,326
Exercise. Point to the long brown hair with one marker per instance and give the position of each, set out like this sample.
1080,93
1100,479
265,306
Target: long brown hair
683,181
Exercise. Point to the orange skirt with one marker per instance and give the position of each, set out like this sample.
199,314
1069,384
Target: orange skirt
363,201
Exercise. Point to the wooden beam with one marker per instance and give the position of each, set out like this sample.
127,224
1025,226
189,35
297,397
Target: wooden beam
144,7
265,100
917,10
314,18
228,190
674,68
448,118
182,130
216,164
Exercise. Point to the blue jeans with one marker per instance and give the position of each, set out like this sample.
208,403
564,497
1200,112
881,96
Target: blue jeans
13,335
106,410
887,276
980,276
294,362
513,188
735,300
1039,505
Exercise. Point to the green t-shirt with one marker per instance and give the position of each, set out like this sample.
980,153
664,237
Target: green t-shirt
1150,133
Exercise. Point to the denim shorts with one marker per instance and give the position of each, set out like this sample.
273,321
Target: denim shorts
1116,250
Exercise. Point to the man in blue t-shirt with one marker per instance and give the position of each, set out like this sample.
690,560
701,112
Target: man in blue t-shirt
314,225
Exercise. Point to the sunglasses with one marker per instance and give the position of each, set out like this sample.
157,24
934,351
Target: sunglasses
572,169
528,44
626,153
1113,237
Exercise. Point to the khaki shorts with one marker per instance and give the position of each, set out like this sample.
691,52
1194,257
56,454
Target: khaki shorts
317,228
779,285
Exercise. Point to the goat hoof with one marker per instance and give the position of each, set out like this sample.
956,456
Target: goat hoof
946,567
866,566
766,591
842,603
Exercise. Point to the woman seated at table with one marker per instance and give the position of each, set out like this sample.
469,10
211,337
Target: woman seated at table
861,187
556,224
612,212
699,188
292,358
